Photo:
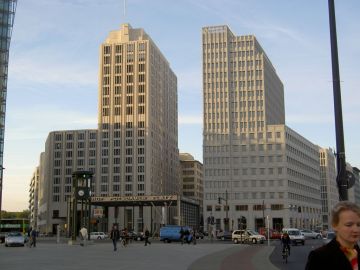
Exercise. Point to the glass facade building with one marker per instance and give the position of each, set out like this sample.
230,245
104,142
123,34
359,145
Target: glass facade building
7,13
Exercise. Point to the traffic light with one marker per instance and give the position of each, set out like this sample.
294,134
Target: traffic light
219,200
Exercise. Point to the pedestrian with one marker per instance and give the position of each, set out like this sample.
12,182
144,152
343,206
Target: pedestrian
187,236
146,237
182,234
193,234
343,251
33,238
115,236
83,235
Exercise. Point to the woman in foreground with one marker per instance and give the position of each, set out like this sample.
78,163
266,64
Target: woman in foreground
343,252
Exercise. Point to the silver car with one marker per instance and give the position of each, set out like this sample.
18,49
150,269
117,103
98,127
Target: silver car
310,234
98,235
14,239
328,237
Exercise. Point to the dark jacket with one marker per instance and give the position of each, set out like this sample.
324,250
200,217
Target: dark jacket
329,257
115,234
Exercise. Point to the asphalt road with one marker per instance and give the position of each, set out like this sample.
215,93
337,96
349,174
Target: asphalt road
298,257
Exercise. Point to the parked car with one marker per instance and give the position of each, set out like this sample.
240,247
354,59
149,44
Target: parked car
137,236
295,236
311,234
274,234
98,235
224,235
330,235
242,236
14,239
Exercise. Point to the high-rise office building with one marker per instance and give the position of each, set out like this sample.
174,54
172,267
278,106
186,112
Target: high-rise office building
133,152
138,126
256,169
137,117
33,198
7,14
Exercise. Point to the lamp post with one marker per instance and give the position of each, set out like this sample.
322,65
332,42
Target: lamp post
341,178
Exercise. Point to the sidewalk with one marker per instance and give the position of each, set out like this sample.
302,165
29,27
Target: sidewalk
100,255
239,257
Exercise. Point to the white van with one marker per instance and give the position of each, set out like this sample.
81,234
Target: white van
295,235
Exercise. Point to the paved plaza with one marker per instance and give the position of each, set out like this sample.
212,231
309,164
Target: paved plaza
49,255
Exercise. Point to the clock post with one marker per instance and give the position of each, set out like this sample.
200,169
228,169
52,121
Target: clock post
81,184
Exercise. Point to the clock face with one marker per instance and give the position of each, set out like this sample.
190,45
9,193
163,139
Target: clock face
81,192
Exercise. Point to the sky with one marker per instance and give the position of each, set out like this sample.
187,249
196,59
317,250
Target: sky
54,62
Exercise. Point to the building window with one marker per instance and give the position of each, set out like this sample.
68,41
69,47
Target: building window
241,207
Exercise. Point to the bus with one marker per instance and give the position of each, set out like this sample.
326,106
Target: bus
13,225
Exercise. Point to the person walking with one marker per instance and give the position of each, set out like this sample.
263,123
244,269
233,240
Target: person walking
146,238
343,251
33,238
182,234
193,234
83,235
115,236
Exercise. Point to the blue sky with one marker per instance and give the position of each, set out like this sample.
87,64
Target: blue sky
53,70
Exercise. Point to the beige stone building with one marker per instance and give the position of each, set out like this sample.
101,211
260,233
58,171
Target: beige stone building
328,189
134,151
356,172
267,171
65,152
33,197
192,178
138,124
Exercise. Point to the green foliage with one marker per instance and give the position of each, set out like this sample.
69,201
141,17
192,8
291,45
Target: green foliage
23,214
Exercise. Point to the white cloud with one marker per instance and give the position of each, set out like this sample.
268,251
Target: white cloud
190,81
42,123
35,69
190,120
306,118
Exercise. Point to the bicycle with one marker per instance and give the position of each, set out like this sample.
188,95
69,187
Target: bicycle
285,254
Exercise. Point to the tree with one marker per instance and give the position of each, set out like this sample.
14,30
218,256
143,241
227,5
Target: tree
23,214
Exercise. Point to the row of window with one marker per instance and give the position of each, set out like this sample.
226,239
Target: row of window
118,89
240,44
233,94
246,195
242,148
71,136
245,207
243,136
244,184
242,160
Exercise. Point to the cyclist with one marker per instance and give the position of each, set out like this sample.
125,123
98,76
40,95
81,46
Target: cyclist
285,241
124,237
